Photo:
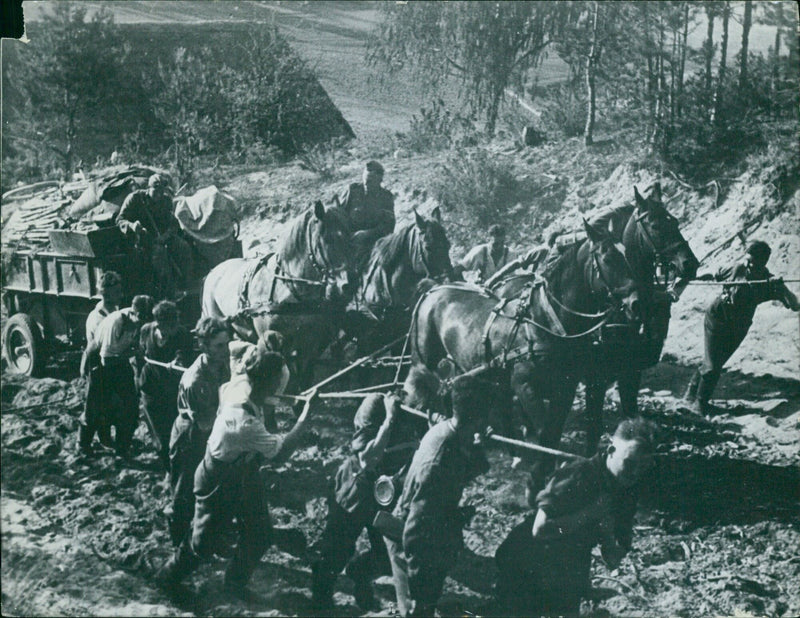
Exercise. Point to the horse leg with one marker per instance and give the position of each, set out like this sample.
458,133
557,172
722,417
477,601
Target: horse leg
628,388
595,397
550,436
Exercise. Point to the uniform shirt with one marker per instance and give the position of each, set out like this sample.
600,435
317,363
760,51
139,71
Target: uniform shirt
93,320
117,334
369,212
198,392
177,346
160,381
579,485
432,490
404,434
737,304
480,258
239,430
149,211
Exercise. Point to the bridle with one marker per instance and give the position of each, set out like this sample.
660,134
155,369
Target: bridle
661,257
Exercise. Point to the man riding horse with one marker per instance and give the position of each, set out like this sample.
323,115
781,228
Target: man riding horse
370,209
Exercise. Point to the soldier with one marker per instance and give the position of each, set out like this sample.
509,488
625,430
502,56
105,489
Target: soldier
544,563
92,419
115,341
730,315
531,260
198,399
228,483
164,340
370,209
447,459
383,443
487,258
147,217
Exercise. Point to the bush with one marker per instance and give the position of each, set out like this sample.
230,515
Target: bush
476,188
697,148
564,110
436,128
322,159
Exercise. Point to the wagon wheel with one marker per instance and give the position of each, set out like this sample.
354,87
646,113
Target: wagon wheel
23,346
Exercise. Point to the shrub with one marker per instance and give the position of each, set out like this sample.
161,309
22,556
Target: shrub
476,188
436,128
564,110
321,159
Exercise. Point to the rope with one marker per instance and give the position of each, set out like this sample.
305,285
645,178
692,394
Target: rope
171,366
421,414
743,282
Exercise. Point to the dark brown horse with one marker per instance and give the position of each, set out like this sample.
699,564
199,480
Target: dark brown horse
391,283
538,343
300,291
656,251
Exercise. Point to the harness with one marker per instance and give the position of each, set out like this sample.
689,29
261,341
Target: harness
247,278
662,264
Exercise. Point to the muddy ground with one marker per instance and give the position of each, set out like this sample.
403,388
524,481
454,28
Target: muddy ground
717,532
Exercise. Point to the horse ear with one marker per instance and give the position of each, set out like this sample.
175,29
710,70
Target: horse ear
592,232
419,220
319,210
436,213
656,192
640,201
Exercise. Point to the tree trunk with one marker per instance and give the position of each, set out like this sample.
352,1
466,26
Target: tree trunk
748,22
775,72
726,13
494,109
658,114
682,67
591,90
709,47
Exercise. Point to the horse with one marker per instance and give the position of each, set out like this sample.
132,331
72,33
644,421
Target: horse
299,291
652,241
540,342
401,267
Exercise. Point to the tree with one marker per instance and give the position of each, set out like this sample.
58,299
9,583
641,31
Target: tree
487,46
708,45
719,94
746,24
184,98
592,41
71,71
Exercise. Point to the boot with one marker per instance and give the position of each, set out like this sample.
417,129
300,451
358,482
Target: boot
176,569
358,570
321,588
85,437
691,389
705,388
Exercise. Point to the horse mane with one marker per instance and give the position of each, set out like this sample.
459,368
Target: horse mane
620,215
554,266
294,241
391,249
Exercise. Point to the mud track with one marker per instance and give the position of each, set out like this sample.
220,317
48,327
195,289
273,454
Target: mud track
717,532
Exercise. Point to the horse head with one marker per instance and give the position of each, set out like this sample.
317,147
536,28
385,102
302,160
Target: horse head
656,233
607,272
432,259
317,248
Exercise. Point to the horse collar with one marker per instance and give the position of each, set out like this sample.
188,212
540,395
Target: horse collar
324,271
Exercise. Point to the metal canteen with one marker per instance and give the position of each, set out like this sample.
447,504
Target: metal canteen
384,490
